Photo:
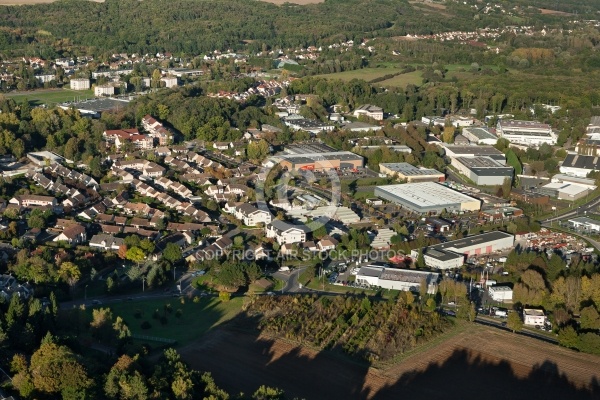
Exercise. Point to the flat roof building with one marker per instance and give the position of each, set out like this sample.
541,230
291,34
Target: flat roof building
80,84
93,108
397,279
410,173
480,136
564,191
529,133
500,293
428,197
585,223
580,165
484,171
452,254
454,151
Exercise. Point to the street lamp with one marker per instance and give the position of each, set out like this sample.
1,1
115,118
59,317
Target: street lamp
85,292
143,283
174,268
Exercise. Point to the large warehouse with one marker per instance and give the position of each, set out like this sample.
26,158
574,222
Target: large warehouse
484,171
528,133
410,173
397,279
452,254
427,197
454,151
317,157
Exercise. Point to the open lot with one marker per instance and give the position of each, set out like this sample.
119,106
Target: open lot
366,74
301,2
27,2
195,320
51,96
410,78
475,362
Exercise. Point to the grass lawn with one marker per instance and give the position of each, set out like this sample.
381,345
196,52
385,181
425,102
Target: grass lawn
196,318
51,96
414,78
366,74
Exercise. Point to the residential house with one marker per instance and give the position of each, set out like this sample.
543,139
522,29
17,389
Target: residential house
34,200
252,216
73,234
119,137
327,243
106,242
284,232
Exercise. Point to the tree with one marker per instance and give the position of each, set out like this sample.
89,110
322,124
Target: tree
589,343
514,322
54,369
69,272
268,393
172,253
590,319
567,337
135,254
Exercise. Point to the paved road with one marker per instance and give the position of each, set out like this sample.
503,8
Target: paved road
579,211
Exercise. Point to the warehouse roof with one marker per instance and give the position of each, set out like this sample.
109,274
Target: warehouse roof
485,166
426,194
472,150
407,169
472,240
581,161
480,133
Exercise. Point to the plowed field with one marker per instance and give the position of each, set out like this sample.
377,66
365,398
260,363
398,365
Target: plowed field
481,362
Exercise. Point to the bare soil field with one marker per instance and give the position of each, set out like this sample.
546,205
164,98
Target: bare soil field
28,2
546,11
300,2
479,362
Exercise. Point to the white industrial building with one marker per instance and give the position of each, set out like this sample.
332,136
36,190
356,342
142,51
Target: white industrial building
452,254
397,279
428,197
169,81
454,151
564,191
410,173
585,223
528,133
534,317
80,84
586,182
480,136
484,171
501,293
579,165
370,111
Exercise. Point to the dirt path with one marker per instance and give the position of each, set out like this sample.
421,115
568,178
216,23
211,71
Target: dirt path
467,364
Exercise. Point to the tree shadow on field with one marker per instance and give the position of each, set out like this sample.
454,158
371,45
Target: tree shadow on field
241,361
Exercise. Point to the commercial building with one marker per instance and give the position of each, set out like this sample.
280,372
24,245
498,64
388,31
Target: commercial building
318,157
534,317
579,165
80,84
410,173
564,191
428,197
360,127
586,182
585,224
369,111
299,123
480,136
95,107
454,151
452,254
529,133
169,81
500,293
397,279
484,171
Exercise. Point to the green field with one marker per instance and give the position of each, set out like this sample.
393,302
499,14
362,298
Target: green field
51,96
410,78
196,318
366,74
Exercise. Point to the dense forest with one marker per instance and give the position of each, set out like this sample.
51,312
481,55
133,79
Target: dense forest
75,27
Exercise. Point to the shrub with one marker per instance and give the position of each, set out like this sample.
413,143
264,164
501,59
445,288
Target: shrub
178,313
196,299
224,296
146,325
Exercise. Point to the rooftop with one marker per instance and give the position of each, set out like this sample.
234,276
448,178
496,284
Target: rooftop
480,133
407,169
426,194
